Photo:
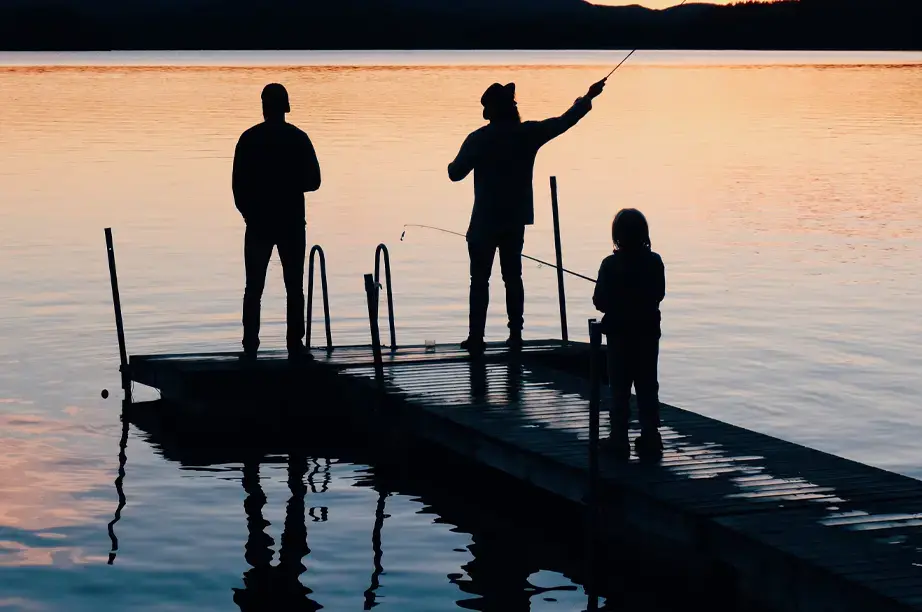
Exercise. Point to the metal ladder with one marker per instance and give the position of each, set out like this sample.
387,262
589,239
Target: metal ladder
382,248
317,250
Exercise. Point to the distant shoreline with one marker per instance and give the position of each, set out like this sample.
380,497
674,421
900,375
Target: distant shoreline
258,25
381,58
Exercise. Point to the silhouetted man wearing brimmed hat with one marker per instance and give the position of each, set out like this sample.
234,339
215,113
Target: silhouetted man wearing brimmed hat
502,157
274,165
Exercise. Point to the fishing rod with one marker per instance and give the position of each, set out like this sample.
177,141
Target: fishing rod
627,57
529,257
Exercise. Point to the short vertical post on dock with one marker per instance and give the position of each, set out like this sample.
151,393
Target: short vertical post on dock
117,304
371,294
561,293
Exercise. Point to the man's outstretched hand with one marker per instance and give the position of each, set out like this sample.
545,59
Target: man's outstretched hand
596,89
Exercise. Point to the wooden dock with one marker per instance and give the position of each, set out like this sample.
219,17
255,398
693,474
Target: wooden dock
793,528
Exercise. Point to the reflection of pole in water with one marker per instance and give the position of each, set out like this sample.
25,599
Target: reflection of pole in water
320,469
120,478
378,552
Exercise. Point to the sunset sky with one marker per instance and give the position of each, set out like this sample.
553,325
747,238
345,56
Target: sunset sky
658,4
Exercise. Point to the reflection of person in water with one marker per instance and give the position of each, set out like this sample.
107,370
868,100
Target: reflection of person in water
267,587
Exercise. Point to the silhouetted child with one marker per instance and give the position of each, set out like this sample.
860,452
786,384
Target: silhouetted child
631,285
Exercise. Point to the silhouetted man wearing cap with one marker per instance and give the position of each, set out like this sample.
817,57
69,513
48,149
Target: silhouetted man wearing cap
274,165
502,157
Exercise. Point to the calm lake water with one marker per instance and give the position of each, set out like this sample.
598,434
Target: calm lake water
784,192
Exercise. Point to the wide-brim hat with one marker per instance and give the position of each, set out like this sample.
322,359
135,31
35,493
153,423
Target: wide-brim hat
498,95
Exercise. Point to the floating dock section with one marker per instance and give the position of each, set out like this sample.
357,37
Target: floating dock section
791,528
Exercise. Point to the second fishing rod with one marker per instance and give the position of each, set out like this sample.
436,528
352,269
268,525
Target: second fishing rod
557,245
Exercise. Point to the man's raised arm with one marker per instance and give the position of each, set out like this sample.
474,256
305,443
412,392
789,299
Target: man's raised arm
549,129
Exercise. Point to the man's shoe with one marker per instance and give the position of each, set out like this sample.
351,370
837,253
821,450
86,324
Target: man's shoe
248,355
474,346
619,446
514,342
299,353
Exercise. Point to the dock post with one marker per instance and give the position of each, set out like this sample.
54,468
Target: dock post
561,293
595,400
371,294
119,326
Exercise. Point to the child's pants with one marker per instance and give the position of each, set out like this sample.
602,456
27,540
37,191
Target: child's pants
633,362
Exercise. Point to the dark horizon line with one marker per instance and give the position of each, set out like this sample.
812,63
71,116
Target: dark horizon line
805,25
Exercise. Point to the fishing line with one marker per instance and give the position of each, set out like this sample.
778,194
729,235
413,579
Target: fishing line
631,53
529,257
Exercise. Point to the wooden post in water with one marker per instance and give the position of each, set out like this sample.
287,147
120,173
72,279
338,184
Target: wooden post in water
561,293
371,294
117,304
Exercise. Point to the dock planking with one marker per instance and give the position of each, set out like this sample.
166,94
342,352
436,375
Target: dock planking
798,528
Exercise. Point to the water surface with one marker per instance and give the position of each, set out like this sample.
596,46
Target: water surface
784,191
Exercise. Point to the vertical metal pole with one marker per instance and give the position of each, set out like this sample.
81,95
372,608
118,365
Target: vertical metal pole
595,400
371,294
309,316
595,349
117,304
326,302
561,293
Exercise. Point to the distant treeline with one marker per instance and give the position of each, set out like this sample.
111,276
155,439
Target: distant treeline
456,24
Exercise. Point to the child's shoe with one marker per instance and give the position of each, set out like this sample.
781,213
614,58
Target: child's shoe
649,446
618,445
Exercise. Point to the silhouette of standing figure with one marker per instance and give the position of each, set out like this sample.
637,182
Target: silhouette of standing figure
631,286
502,157
274,165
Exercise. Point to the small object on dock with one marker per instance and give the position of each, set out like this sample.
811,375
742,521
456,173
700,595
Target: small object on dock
105,394
430,346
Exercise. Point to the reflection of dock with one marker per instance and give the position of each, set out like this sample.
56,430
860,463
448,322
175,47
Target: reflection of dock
510,540
792,526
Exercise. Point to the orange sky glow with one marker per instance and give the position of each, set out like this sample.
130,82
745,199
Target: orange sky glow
657,4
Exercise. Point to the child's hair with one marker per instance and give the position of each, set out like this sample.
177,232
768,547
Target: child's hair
629,230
